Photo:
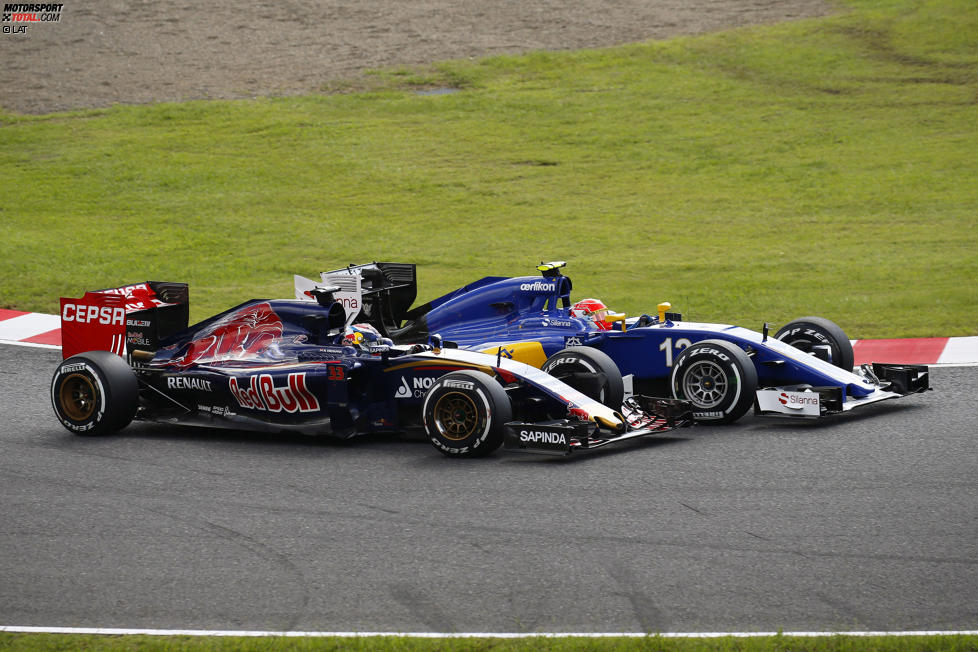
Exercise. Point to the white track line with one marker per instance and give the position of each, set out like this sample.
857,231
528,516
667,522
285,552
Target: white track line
112,631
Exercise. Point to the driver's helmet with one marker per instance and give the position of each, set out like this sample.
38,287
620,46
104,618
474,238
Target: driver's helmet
361,335
593,310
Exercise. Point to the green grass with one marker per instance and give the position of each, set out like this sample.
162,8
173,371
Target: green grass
83,643
826,166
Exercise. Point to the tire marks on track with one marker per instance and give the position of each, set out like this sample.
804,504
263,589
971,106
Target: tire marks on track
262,551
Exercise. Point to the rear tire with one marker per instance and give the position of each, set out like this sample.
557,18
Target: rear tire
819,337
465,414
718,378
589,371
94,393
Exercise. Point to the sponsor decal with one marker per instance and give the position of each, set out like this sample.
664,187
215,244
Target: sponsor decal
798,400
708,415
458,384
718,353
539,286
349,294
259,392
790,335
181,382
800,404
573,341
71,368
416,389
404,391
557,323
216,410
559,361
135,337
137,322
79,427
543,436
83,314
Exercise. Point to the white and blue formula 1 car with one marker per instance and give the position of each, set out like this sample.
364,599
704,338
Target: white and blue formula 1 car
804,370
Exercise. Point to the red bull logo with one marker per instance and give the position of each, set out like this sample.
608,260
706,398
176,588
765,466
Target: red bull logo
260,393
241,335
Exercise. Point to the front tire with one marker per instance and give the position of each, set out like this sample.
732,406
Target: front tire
821,338
94,393
465,414
718,378
589,371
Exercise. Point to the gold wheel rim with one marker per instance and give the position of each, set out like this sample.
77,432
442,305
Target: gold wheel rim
456,416
77,397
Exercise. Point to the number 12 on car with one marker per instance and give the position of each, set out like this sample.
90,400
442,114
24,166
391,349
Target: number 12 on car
668,347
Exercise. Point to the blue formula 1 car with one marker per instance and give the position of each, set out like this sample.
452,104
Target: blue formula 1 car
303,366
804,370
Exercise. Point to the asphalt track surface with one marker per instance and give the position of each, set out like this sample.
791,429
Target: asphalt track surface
866,522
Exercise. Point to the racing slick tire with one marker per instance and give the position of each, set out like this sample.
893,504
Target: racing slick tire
94,393
819,337
718,378
465,414
590,372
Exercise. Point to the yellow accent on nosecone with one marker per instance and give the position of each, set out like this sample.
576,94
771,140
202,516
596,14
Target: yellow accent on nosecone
530,353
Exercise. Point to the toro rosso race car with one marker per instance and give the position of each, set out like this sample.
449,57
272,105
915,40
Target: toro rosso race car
304,366
804,370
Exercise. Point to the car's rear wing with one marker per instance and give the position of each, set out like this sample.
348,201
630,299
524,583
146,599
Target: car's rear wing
376,293
124,318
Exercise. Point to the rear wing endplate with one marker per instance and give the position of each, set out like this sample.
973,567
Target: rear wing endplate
124,318
378,293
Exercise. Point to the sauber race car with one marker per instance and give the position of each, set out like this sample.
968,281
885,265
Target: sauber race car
305,366
804,370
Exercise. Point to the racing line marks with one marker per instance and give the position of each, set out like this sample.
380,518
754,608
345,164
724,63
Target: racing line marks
648,614
700,512
260,550
420,605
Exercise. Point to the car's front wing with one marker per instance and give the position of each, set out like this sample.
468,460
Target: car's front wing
645,416
890,381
